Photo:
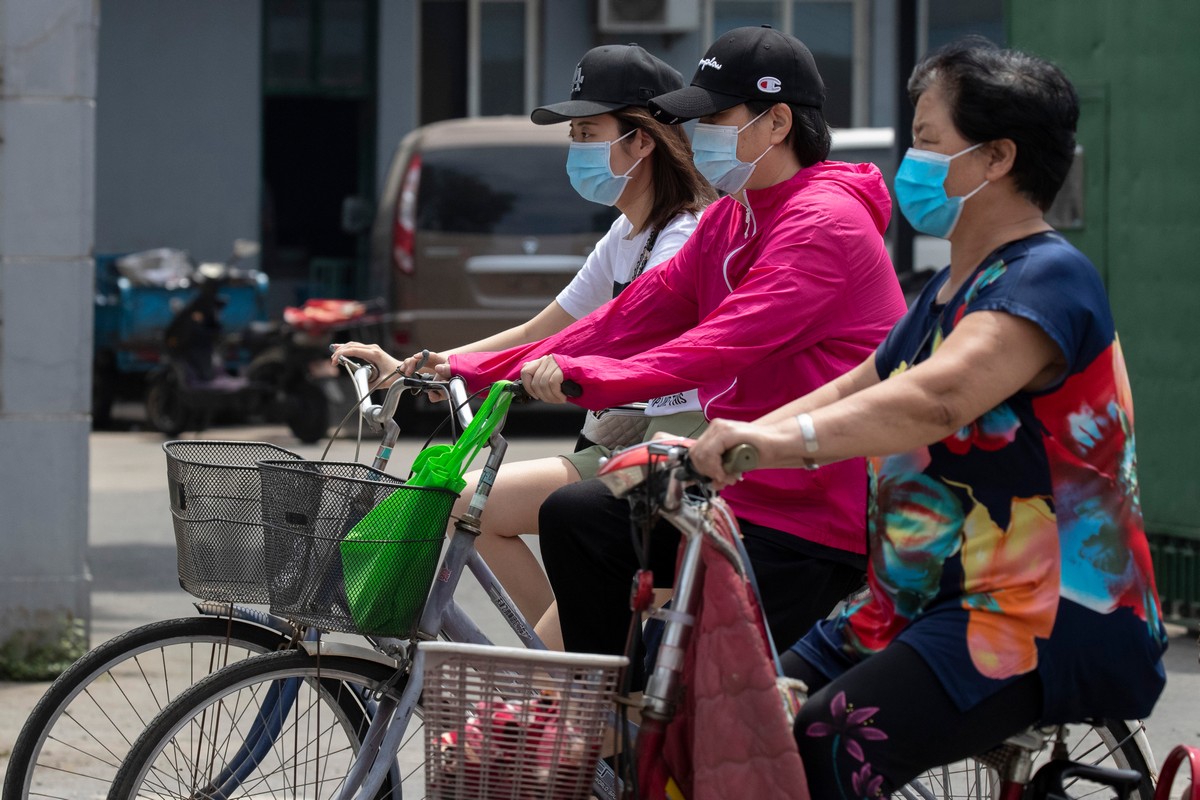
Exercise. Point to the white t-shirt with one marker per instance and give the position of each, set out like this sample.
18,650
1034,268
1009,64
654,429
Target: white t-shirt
613,261
614,258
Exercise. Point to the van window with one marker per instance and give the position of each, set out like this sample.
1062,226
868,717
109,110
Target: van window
514,191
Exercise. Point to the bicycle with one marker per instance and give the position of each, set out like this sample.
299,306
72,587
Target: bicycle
335,672
1083,759
121,684
357,684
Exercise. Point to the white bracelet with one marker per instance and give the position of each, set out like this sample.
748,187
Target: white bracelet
810,439
808,432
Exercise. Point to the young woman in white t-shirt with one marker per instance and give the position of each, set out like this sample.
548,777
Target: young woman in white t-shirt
619,156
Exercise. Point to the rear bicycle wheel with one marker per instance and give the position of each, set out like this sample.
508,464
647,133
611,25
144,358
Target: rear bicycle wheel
197,747
1112,743
79,732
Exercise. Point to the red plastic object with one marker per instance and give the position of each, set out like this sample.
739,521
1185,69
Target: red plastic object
319,314
1166,778
642,592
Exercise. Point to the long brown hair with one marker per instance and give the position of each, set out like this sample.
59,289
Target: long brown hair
678,186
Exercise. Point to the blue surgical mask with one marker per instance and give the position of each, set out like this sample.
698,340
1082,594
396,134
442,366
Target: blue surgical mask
714,152
589,167
921,192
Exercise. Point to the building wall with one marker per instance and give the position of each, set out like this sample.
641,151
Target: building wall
178,125
397,80
47,158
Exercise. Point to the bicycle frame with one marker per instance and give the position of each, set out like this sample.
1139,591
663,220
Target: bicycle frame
441,615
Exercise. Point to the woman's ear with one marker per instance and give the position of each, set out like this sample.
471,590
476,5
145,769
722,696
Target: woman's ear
780,116
643,144
1002,154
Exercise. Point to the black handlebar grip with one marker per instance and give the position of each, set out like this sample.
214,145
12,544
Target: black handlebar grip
740,458
572,389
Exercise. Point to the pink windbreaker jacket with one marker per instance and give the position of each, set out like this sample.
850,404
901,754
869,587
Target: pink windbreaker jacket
762,305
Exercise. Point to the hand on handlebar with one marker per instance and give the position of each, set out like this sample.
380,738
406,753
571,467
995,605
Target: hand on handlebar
716,442
543,379
425,361
385,366
428,362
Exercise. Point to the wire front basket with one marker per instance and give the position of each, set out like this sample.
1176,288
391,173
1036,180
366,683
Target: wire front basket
350,548
216,509
505,723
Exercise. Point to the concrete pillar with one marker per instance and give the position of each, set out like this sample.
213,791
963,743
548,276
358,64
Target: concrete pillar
47,122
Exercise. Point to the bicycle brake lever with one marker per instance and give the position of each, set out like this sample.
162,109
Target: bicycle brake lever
422,362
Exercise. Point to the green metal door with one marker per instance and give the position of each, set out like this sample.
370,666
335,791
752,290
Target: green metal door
1136,66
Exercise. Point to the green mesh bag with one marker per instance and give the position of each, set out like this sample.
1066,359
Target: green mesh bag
370,559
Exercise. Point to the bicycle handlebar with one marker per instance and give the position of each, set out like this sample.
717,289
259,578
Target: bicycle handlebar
362,373
740,458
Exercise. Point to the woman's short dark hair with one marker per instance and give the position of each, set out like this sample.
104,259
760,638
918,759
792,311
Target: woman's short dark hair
1006,94
809,138
678,185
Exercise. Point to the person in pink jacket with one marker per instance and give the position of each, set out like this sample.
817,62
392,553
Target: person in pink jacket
785,284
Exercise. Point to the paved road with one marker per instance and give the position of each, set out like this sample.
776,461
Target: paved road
132,558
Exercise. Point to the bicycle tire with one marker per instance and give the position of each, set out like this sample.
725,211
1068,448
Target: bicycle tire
76,736
203,732
1111,744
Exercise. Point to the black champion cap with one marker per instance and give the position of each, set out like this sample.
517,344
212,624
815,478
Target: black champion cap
611,77
745,64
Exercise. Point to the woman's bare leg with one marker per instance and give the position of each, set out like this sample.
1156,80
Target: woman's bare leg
548,630
512,510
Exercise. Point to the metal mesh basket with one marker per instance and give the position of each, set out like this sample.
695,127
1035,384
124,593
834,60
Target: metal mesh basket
216,508
350,548
505,723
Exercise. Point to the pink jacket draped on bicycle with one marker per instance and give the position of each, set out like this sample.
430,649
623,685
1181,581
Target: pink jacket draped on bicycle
763,304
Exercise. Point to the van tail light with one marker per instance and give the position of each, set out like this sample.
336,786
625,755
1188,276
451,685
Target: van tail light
404,228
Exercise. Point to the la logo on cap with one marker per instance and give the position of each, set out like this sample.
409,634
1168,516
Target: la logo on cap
769,85
577,81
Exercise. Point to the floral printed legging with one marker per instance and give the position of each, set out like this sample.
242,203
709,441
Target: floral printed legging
887,719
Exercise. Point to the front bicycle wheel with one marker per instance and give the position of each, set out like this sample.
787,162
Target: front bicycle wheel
1114,744
280,725
79,732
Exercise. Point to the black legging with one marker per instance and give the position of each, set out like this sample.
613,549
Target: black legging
589,557
888,719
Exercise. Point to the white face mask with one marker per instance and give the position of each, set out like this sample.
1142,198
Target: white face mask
714,152
589,166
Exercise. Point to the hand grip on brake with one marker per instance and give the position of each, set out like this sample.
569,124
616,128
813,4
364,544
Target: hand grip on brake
740,458
353,363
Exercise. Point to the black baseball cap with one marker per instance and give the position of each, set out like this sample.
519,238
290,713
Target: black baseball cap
745,64
610,77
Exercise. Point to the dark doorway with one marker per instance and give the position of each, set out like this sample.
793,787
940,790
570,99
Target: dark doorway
318,127
310,166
